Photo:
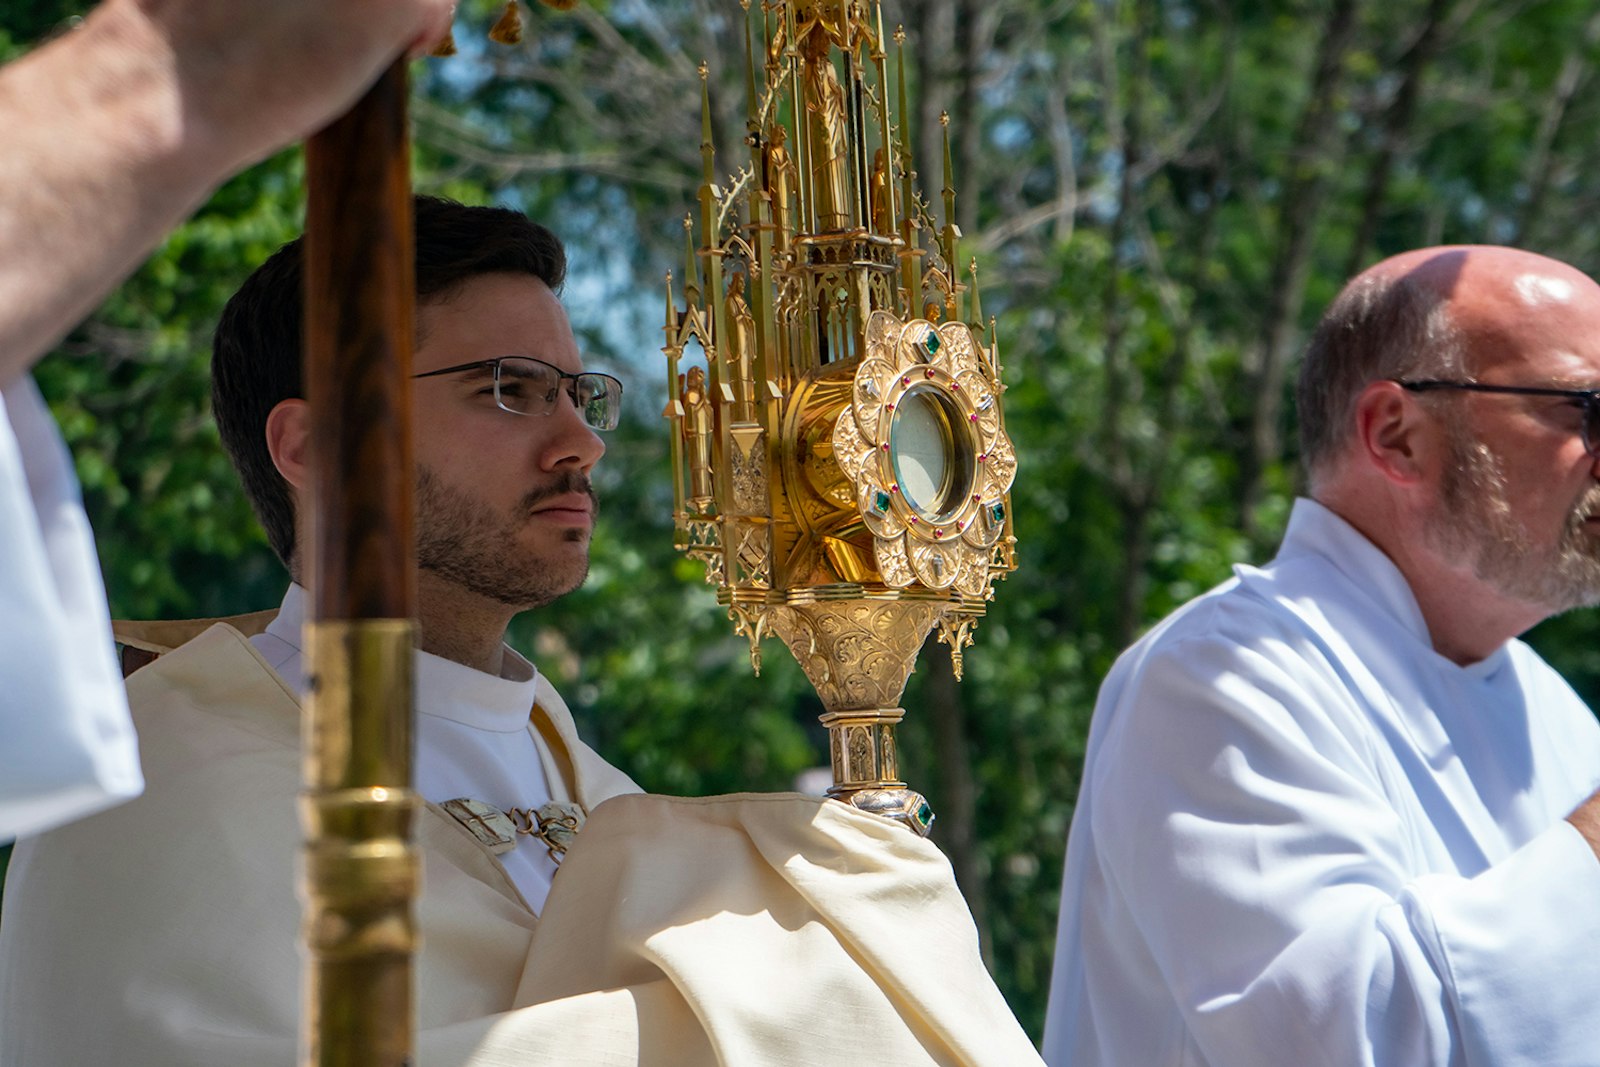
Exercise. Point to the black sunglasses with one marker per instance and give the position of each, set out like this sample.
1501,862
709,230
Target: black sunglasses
1587,399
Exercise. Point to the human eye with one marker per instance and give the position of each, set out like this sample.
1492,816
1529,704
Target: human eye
1578,403
530,381
1571,412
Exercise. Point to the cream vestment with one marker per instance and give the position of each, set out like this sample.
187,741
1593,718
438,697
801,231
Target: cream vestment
472,736
741,931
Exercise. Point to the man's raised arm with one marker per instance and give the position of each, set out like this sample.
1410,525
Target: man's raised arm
120,128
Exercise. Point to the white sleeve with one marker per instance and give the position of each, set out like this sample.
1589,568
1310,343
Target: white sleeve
67,746
1267,873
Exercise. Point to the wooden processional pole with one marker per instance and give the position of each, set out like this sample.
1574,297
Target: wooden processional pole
360,869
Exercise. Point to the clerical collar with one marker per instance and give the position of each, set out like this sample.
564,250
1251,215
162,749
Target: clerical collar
1317,530
444,688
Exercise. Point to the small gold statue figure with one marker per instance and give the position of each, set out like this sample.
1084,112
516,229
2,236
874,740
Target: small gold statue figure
830,135
779,180
882,220
741,325
698,427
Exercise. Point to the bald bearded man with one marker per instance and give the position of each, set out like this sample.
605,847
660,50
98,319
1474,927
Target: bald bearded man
1333,812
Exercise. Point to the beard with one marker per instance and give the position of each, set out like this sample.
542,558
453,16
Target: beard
1474,521
466,542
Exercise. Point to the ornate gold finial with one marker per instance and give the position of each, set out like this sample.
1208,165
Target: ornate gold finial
446,46
900,35
944,119
508,27
672,311
691,265
704,70
975,317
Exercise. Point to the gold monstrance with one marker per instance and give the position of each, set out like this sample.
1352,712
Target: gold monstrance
841,464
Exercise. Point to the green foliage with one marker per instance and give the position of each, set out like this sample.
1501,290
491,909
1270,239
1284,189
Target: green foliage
130,390
24,23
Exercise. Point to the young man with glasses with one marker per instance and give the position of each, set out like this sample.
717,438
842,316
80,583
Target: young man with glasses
749,930
1333,812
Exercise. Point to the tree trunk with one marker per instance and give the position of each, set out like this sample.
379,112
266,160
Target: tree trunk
936,55
1414,63
976,28
1302,201
1126,133
1574,69
956,806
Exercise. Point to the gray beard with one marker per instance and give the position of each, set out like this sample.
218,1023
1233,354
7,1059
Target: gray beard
1474,521
462,540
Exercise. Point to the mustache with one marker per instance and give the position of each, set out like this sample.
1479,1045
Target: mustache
566,483
1588,504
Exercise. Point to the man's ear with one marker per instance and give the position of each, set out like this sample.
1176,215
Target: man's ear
288,438
1394,434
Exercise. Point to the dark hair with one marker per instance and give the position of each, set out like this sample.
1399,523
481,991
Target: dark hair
256,352
1380,326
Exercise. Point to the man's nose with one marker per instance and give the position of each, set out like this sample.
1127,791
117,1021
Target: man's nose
572,441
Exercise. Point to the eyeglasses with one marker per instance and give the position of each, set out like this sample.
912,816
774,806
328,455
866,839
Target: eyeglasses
527,386
1586,399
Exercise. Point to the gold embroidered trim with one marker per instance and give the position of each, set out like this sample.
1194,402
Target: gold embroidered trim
556,824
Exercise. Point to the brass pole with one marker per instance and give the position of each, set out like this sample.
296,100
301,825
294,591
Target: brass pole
360,870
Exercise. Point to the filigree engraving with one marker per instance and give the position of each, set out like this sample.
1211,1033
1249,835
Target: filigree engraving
1001,463
956,351
887,754
883,334
705,545
754,555
972,574
980,394
861,769
850,450
894,562
857,653
935,564
748,468
704,534
872,385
